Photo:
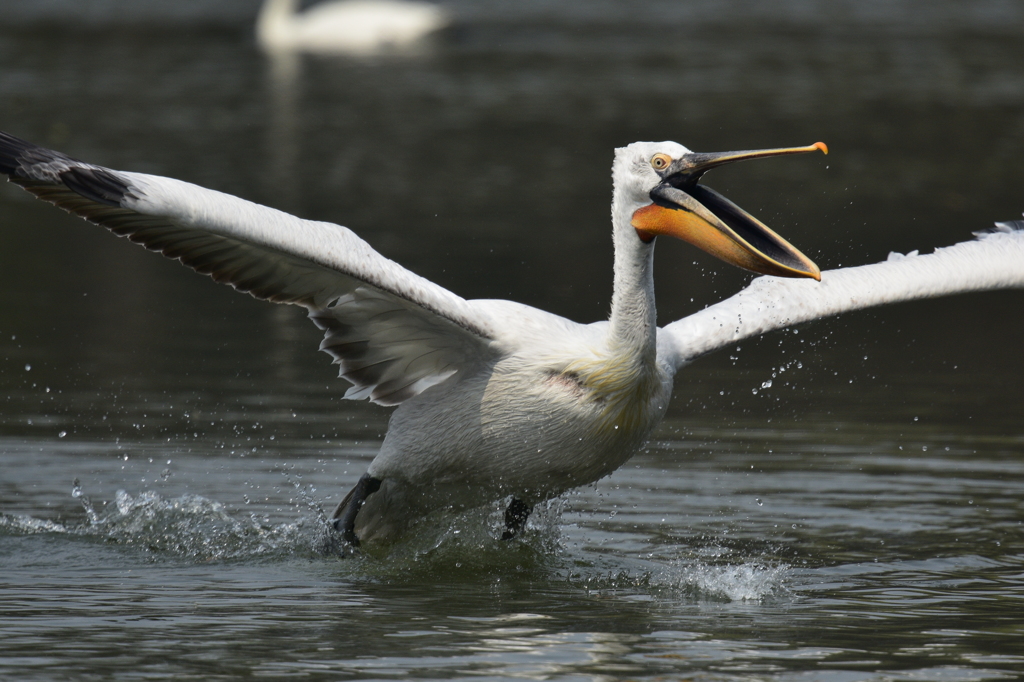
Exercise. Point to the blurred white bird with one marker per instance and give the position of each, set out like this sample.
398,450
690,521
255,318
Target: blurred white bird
346,26
497,399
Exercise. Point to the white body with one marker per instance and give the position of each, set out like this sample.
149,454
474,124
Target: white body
519,425
346,26
494,398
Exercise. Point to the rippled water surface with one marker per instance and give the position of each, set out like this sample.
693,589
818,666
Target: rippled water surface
839,502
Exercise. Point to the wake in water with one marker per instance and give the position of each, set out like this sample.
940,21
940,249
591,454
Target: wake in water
446,548
189,527
199,529
695,579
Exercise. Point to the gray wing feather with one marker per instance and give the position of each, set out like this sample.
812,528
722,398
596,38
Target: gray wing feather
393,333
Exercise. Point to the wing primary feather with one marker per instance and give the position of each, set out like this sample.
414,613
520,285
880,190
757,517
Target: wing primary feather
392,333
97,184
351,351
995,260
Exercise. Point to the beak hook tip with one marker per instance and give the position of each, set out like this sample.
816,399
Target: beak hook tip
822,146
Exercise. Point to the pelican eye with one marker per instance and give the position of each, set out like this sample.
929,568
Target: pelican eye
660,161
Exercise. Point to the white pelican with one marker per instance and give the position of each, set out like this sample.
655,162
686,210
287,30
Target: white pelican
497,400
346,26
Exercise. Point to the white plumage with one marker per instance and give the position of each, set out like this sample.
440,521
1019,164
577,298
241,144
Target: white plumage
346,26
994,260
497,399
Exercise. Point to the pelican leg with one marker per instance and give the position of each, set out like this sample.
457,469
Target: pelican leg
345,514
515,518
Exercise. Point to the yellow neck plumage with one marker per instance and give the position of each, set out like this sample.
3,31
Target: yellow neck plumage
625,386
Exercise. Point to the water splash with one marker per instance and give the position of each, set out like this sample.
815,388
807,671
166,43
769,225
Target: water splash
193,527
78,494
700,581
197,529
444,548
189,527
326,540
16,523
749,581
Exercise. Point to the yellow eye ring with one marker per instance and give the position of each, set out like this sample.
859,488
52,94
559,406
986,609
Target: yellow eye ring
660,161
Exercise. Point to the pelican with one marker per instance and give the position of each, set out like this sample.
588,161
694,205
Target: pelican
346,26
497,400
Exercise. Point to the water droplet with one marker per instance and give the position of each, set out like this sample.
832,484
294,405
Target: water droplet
78,494
759,502
28,368
767,384
62,434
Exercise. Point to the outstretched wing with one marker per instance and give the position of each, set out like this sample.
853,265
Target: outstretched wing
392,332
995,260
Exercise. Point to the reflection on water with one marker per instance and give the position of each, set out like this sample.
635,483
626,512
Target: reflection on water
842,502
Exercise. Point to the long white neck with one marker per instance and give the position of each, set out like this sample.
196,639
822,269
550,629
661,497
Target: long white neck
274,23
633,328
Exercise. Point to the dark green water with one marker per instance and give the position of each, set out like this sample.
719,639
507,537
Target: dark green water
858,519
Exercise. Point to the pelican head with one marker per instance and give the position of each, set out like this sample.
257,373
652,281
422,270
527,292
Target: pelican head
659,181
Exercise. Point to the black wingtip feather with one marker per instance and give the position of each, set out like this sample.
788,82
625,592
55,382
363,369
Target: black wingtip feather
97,184
22,159
12,150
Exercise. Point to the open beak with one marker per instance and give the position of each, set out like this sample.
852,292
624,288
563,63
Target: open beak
683,209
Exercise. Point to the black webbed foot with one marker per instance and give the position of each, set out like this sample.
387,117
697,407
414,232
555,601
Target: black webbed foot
515,518
345,514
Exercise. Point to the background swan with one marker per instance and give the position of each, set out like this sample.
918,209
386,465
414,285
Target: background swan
346,26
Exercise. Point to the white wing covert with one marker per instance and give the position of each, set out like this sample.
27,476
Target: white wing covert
392,332
995,260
